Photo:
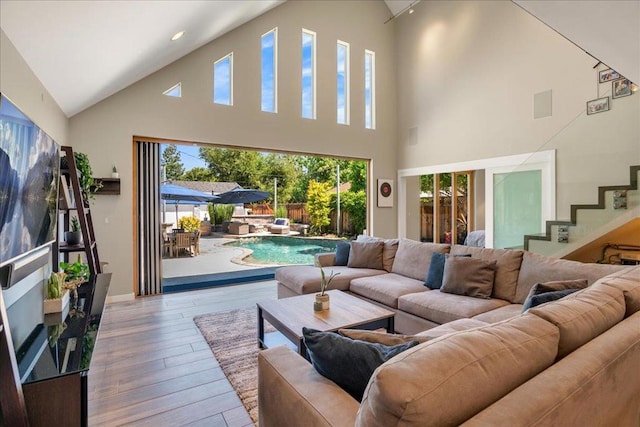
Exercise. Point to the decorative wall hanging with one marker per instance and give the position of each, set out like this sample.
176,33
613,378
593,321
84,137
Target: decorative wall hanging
620,199
385,193
598,105
563,234
608,75
620,88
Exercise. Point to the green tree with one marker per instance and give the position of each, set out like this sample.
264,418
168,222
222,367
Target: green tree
244,167
356,174
355,204
287,172
318,205
197,174
172,162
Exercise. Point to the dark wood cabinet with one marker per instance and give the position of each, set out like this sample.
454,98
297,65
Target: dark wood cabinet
54,361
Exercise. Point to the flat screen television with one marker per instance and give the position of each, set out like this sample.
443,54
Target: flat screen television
29,177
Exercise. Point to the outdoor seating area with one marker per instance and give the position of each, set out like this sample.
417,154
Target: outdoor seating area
280,226
181,243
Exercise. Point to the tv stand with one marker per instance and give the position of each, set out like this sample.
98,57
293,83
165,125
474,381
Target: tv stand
54,361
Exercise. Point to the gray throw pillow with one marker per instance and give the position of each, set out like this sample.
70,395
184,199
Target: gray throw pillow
436,270
342,253
546,297
366,255
468,276
554,286
348,363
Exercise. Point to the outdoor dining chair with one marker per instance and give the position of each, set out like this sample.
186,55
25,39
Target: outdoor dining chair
182,242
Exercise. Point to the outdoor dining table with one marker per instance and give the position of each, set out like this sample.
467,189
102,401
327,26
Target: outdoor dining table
176,243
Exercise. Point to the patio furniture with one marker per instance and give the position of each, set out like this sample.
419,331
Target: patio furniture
182,242
195,242
280,226
238,228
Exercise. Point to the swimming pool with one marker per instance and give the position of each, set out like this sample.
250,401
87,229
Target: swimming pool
284,250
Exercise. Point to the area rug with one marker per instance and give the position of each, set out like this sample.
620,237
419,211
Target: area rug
232,336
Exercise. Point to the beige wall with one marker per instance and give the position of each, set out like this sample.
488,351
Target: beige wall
22,87
467,73
105,131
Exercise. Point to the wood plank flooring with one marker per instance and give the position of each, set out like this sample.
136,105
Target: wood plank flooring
152,366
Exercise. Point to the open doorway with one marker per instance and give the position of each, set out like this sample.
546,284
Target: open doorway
311,202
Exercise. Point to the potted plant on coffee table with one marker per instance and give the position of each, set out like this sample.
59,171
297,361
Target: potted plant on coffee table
322,299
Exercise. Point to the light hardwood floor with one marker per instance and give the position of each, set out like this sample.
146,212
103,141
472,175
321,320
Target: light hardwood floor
152,366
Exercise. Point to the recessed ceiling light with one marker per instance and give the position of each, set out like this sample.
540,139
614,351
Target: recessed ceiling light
176,36
410,11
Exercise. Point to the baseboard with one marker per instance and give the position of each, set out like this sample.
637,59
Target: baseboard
120,298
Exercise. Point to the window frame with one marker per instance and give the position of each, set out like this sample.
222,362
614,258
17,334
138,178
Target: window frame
273,31
230,57
372,83
314,73
347,83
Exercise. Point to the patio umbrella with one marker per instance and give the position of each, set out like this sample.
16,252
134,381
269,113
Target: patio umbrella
241,195
184,196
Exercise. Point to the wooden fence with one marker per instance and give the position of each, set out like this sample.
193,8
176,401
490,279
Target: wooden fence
297,212
426,220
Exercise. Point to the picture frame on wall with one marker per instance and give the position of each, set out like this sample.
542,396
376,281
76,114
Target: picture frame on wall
608,75
620,88
598,105
385,193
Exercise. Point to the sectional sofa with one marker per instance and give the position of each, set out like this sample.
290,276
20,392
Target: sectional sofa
569,362
394,277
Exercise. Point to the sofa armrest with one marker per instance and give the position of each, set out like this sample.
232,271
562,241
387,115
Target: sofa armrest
291,392
326,259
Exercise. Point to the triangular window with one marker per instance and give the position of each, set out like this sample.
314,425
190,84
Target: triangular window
174,91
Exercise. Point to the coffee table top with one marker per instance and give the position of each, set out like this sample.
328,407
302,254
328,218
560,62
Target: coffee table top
345,311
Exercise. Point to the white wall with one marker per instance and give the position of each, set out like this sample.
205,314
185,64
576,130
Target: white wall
105,131
467,73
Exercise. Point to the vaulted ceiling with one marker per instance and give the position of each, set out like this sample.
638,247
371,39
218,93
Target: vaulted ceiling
85,51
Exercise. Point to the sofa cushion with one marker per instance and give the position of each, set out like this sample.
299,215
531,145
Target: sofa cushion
366,255
447,328
305,279
549,287
413,258
436,270
472,368
583,315
342,253
468,276
628,281
389,252
386,288
507,268
537,268
499,314
440,307
349,363
381,336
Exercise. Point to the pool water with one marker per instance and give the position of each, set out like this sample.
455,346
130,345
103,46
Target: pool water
284,250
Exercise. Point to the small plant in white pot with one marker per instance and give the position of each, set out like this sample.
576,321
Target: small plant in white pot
57,296
322,299
114,172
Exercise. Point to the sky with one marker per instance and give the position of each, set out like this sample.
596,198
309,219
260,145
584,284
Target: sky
189,156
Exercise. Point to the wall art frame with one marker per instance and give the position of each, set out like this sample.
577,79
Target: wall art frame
598,105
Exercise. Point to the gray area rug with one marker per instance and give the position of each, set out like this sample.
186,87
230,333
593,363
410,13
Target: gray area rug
232,336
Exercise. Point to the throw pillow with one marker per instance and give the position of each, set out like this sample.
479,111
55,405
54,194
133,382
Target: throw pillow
381,336
468,276
348,363
280,221
546,297
558,285
366,255
342,253
436,270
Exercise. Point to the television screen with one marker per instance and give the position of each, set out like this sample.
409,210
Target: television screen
29,174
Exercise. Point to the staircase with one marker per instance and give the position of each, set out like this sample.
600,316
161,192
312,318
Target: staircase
594,220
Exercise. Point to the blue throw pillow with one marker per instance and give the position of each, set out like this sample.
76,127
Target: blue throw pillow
436,270
546,297
342,253
348,363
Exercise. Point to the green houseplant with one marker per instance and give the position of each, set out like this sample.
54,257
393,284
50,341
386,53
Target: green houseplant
322,299
74,236
57,296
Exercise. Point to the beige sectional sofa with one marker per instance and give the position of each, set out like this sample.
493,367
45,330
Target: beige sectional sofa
400,282
571,362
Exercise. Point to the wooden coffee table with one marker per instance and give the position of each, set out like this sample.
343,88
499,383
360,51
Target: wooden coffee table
289,315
